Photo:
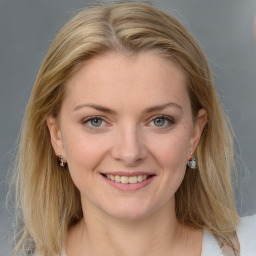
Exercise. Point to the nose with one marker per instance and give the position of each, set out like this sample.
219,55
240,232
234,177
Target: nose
128,146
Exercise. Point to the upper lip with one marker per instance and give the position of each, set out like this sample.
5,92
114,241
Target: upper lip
128,174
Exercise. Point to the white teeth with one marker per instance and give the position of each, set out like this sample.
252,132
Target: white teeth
117,178
126,179
133,179
140,178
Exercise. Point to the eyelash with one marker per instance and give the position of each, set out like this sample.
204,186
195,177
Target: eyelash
170,121
91,118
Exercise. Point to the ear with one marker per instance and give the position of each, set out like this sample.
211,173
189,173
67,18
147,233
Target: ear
56,136
198,128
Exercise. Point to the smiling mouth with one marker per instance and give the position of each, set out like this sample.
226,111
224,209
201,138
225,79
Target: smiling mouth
127,179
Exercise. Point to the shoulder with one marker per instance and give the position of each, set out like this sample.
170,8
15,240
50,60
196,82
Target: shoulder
246,232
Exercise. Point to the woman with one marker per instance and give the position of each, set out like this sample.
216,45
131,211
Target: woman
126,103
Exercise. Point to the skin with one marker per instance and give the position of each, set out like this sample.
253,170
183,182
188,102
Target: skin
128,139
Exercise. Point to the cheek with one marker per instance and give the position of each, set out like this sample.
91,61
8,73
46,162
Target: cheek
83,156
171,150
171,154
83,152
173,160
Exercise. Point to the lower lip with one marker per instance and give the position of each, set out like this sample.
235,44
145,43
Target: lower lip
129,186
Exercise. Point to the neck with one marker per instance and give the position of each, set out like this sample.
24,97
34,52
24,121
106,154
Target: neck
100,234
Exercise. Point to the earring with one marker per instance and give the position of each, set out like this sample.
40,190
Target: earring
192,163
61,162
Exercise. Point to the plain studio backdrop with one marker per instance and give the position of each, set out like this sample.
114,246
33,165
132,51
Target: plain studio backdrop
223,28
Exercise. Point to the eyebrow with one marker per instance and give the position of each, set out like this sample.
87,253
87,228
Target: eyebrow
113,112
97,107
161,107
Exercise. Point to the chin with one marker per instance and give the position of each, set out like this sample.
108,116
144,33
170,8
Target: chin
129,212
128,216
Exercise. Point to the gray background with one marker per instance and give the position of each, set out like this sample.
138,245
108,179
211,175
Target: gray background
224,29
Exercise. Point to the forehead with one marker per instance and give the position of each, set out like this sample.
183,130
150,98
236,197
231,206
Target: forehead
115,78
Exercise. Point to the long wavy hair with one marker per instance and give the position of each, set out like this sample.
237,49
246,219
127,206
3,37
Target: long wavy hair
48,202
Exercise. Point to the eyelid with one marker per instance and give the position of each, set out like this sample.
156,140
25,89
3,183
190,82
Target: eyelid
85,122
89,118
170,119
163,116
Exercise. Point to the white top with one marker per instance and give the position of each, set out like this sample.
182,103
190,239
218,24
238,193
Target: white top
246,233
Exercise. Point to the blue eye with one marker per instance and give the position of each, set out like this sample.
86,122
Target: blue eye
93,122
162,121
96,122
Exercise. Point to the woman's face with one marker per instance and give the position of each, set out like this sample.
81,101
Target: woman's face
126,131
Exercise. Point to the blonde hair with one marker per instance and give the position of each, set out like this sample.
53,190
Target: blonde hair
46,195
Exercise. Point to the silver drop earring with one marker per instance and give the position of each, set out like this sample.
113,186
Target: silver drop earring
61,162
192,163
